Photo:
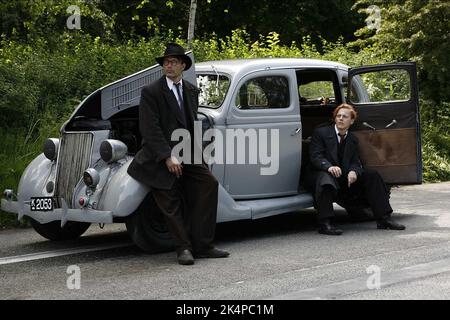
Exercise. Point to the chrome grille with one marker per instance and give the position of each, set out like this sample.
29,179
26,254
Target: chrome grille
73,158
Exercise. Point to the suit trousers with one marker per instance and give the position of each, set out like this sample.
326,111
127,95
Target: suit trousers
190,208
368,188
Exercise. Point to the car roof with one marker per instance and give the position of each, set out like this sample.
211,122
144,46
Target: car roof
235,66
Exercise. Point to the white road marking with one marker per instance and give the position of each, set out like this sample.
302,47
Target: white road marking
59,253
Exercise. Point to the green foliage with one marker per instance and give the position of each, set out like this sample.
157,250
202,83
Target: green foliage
417,30
19,147
34,80
317,89
387,85
45,20
240,46
435,141
299,18
436,161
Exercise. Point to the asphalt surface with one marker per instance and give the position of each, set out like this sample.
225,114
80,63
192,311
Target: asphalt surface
280,257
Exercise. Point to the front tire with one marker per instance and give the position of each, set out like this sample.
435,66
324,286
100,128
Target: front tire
53,231
148,229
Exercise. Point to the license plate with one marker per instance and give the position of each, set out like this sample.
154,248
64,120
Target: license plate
41,204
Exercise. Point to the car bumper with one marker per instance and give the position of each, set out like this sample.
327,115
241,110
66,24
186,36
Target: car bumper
61,214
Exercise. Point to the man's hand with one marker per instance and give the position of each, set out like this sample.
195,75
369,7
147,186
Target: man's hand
351,177
335,171
174,166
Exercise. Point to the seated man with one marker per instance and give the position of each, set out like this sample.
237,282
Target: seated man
338,174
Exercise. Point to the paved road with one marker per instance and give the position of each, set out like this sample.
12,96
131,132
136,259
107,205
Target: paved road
276,258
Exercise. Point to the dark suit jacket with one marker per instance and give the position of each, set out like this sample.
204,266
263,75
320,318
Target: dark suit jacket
159,116
323,151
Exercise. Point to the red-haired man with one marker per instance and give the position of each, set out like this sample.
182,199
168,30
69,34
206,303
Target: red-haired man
339,175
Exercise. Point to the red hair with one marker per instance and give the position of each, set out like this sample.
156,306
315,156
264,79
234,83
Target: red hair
353,112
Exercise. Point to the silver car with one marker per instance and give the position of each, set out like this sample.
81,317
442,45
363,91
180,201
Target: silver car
264,110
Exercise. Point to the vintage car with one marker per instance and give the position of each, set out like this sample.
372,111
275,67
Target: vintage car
81,177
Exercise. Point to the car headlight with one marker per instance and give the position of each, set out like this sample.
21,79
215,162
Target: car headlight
8,194
91,177
112,150
51,147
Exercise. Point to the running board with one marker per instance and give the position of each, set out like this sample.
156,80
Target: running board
262,208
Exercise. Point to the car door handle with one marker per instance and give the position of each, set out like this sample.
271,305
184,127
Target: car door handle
296,131
368,126
391,124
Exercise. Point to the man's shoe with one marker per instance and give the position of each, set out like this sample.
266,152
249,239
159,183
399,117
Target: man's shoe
327,228
211,253
185,257
388,223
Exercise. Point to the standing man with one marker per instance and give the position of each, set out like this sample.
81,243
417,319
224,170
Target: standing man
185,193
339,175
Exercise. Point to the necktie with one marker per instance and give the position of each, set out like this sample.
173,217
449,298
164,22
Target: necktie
180,96
180,101
341,148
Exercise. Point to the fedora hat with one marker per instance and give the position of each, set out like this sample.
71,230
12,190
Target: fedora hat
175,50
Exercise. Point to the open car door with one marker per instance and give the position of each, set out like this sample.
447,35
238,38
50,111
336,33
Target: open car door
386,99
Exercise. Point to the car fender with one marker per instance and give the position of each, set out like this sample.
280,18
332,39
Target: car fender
124,194
34,178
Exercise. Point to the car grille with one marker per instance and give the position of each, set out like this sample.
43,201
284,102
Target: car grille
73,158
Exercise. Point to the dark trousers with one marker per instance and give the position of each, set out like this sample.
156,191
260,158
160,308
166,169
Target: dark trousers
369,187
190,208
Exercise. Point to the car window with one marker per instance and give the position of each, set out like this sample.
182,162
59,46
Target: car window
263,93
213,89
381,86
317,93
317,88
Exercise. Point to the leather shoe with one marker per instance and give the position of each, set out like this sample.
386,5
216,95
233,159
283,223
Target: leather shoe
327,228
388,223
185,257
211,253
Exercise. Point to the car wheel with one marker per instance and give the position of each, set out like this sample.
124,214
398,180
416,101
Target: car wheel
147,228
53,231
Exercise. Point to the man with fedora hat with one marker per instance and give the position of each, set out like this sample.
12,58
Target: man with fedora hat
185,193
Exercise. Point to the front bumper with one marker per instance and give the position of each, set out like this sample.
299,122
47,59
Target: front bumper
61,214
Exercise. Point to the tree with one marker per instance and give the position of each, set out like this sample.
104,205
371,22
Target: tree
191,28
292,19
415,30
28,20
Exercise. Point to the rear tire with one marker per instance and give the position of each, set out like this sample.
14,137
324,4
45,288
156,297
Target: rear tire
53,231
148,229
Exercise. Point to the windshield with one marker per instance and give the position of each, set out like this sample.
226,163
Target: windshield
213,89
